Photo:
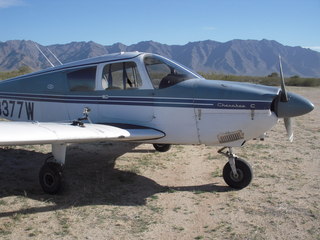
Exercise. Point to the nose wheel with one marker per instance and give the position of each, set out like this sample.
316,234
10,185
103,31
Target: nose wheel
237,173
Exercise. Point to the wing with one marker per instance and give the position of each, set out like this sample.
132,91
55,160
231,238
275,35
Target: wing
28,133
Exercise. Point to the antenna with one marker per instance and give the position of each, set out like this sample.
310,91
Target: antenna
44,55
55,56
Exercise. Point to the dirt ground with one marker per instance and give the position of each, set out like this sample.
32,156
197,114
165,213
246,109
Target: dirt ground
179,194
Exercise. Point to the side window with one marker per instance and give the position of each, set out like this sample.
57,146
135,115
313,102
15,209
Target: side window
122,75
82,80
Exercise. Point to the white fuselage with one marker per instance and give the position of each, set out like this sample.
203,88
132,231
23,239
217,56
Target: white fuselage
186,124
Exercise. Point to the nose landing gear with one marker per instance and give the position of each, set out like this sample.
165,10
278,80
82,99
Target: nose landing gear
237,173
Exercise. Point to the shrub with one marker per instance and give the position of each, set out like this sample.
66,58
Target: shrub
270,80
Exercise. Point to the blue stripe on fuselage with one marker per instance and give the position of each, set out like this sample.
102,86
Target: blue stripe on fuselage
144,101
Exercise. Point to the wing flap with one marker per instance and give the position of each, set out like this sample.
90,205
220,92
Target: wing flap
28,133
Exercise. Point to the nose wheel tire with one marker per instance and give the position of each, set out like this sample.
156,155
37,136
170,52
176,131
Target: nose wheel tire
242,178
162,147
50,177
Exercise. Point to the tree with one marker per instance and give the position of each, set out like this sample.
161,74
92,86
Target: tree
274,74
295,76
24,70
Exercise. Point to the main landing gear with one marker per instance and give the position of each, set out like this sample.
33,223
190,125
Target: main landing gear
237,173
51,173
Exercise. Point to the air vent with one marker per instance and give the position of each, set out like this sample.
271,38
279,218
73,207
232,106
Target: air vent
230,136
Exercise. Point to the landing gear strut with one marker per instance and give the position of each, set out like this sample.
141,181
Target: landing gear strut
237,173
51,173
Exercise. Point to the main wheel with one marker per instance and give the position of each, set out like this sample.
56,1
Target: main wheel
162,147
244,176
50,177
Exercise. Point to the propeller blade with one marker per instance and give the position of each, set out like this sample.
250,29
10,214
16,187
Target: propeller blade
288,125
284,98
284,95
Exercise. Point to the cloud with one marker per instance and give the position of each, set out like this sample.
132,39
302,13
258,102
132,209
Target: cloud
315,48
10,3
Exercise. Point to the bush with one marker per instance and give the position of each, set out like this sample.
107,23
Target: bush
271,80
21,71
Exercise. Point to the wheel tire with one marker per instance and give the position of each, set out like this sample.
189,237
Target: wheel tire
244,171
50,177
162,147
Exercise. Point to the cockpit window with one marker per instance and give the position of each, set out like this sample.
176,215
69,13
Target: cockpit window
122,75
164,73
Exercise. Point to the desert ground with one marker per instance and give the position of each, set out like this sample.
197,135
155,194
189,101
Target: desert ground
127,191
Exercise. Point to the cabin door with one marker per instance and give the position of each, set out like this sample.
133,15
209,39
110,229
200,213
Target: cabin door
128,107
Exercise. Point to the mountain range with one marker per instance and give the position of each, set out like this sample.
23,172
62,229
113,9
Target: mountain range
237,57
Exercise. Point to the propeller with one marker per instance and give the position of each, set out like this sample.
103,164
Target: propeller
288,105
284,98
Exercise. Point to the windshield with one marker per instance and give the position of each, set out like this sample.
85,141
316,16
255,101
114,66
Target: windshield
164,73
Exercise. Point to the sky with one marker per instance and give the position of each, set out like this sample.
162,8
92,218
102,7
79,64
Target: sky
290,22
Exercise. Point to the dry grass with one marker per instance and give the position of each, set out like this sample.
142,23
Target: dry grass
175,195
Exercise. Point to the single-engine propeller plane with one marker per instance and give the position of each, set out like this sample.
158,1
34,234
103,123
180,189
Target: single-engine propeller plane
139,97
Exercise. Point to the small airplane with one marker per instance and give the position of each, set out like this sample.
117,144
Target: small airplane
144,98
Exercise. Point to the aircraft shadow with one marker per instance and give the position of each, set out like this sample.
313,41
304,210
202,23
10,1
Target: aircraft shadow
90,179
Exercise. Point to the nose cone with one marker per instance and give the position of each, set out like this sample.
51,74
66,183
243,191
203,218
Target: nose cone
295,106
